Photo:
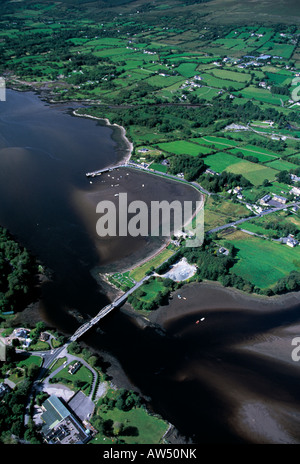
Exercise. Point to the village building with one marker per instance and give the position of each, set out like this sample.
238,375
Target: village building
291,241
60,425
265,199
295,191
279,199
223,251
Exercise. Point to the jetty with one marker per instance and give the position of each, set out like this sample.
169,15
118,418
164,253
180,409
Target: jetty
109,169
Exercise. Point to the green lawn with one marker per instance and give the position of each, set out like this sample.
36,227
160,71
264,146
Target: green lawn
263,262
159,167
139,272
122,280
83,375
151,289
149,429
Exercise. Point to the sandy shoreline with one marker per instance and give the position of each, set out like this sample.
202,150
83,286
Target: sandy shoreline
108,124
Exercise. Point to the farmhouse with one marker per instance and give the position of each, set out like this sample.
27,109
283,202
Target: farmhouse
223,251
264,200
295,191
291,241
4,388
279,199
211,172
237,189
74,368
295,178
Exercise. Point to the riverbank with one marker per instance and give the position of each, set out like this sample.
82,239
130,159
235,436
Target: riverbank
199,298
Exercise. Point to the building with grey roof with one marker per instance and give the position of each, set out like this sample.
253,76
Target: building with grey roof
60,424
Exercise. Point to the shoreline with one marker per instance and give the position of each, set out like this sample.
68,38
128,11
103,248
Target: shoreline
113,126
239,301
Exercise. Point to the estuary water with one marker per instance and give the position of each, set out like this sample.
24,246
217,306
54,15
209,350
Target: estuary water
228,379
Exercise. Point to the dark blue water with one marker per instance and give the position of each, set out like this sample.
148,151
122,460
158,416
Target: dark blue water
201,379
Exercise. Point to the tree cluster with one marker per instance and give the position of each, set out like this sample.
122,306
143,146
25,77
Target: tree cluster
190,166
225,180
17,274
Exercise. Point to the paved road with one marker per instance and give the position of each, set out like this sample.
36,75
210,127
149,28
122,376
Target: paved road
264,213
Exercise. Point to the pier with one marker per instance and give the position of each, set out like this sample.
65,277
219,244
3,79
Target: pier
100,171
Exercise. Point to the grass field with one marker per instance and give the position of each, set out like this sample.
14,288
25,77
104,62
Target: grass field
83,375
263,262
231,75
263,95
181,147
220,142
149,429
256,228
140,271
262,157
151,289
254,172
159,167
282,165
219,162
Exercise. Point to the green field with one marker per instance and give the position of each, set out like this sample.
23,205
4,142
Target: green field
263,262
181,147
222,161
219,82
149,429
256,228
262,157
151,289
254,172
231,75
159,167
140,271
282,165
263,95
220,142
281,50
187,69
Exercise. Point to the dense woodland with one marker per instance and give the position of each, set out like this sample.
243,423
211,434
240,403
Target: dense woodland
18,271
